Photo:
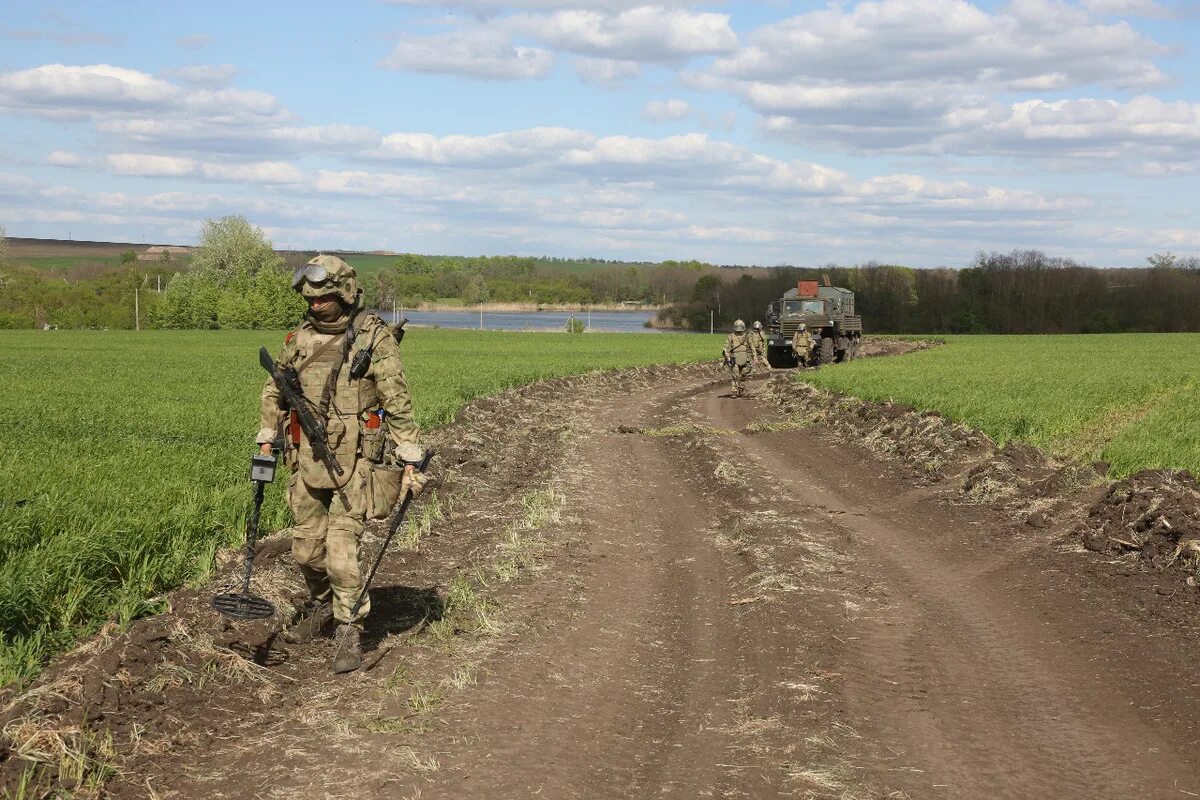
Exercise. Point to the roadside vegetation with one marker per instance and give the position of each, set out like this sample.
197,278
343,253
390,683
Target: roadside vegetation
1130,400
125,455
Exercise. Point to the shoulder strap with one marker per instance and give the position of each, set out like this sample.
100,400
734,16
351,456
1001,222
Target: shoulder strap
320,351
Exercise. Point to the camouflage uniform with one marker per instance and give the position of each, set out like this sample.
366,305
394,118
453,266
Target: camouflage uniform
739,355
329,509
802,344
758,344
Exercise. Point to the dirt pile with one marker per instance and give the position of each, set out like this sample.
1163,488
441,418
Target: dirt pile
1153,513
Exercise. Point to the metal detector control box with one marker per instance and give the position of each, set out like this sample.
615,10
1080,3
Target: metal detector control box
262,469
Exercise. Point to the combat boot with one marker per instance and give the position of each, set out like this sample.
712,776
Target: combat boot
349,651
311,619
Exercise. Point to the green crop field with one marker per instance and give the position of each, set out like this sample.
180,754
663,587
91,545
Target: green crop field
1132,400
124,455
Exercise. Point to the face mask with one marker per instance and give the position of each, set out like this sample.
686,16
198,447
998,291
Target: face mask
327,312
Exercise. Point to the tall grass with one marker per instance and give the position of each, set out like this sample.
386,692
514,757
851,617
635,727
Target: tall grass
124,456
1129,399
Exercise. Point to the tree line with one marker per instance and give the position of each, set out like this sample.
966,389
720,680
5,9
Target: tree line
1024,291
235,279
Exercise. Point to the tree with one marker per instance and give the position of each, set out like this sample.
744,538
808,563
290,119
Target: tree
231,249
128,257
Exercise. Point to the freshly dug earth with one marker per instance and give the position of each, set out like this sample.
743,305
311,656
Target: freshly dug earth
633,585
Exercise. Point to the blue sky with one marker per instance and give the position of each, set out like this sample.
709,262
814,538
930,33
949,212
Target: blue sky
901,131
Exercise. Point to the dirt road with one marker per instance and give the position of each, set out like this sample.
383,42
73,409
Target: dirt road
663,591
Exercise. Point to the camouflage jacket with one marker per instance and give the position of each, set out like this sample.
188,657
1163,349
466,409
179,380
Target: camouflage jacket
738,348
758,343
383,387
802,342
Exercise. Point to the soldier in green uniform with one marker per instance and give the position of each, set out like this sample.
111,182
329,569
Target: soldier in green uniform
738,356
352,376
802,344
758,343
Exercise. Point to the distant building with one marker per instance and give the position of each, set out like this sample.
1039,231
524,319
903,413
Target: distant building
155,253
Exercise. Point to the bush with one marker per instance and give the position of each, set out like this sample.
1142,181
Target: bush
575,325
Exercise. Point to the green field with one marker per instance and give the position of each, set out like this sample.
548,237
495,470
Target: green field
1129,399
124,455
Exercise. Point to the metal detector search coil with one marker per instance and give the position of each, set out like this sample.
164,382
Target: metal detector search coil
243,605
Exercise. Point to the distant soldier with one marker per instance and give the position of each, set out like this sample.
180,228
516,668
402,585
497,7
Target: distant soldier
802,344
738,355
758,343
349,366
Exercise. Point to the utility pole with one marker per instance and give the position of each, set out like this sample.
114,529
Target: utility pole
137,311
710,321
589,325
480,315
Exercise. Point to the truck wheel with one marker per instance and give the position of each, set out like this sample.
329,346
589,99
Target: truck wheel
825,352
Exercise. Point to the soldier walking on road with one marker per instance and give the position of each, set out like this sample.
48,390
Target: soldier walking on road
802,344
352,377
738,356
758,343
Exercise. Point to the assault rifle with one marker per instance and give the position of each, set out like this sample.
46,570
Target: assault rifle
287,380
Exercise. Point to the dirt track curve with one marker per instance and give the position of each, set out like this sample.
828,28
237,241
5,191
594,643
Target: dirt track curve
717,606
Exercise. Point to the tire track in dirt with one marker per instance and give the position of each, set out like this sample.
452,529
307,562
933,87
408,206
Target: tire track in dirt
967,688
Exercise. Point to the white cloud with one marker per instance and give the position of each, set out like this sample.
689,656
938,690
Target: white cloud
510,147
262,172
143,165
476,53
146,165
100,90
194,41
666,110
607,72
636,34
209,76
490,7
1044,42
1126,8
61,158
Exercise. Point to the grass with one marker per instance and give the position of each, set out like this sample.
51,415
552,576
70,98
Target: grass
124,455
1129,399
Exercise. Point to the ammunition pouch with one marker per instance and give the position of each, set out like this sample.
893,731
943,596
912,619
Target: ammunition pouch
383,489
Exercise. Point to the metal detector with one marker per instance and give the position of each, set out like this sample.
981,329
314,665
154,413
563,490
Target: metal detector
397,521
244,605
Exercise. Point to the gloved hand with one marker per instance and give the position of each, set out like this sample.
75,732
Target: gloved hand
413,481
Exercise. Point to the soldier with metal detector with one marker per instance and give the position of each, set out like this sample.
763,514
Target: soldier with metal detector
338,390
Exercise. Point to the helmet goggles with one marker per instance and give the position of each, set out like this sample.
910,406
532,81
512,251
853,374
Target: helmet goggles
313,273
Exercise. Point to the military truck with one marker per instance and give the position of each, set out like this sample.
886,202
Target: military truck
827,311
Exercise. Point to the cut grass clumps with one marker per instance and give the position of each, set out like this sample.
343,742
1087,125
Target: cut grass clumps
1129,399
124,456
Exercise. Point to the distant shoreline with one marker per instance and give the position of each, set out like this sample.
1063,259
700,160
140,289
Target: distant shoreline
530,308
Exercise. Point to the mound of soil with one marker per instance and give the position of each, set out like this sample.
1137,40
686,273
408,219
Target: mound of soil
1154,513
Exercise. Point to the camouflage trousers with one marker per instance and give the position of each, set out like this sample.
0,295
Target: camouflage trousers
738,373
328,525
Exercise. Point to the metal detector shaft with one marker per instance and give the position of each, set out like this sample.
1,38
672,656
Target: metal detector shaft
252,534
397,521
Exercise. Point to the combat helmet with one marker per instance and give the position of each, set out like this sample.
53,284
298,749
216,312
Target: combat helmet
757,325
326,275
739,326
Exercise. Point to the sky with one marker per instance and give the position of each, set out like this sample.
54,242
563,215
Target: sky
917,132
